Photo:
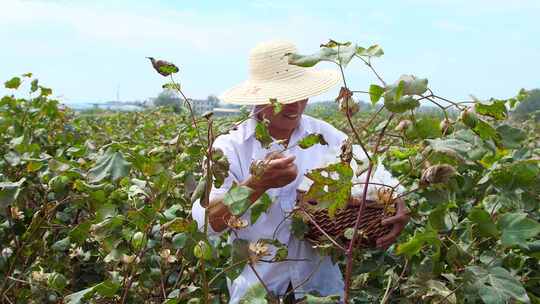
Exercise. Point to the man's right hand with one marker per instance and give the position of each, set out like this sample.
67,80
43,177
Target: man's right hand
279,170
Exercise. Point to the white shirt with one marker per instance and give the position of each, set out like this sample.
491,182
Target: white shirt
241,148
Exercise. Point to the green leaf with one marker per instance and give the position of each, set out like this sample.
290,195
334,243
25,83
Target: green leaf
424,128
13,83
452,147
331,187
520,174
237,199
375,93
78,297
9,192
511,137
485,130
533,249
372,51
61,245
79,234
312,139
256,294
469,117
276,106
138,240
170,86
179,240
337,53
413,246
110,165
495,109
486,226
260,206
413,85
239,257
496,285
298,227
263,135
34,85
58,167
168,69
404,104
57,281
517,228
441,219
13,158
437,292
202,250
45,91
311,299
107,288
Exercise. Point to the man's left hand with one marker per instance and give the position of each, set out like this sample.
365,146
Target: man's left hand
398,222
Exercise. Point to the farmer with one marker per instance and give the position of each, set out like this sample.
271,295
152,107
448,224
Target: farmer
271,76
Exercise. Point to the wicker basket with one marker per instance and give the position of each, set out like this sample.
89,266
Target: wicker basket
369,229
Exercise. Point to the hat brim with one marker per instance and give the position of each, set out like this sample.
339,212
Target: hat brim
255,92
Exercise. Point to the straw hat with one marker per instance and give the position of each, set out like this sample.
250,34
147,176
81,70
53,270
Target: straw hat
271,76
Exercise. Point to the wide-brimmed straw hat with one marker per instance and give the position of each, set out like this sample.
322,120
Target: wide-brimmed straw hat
271,76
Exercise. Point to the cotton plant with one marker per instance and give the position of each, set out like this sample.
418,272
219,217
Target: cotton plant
380,176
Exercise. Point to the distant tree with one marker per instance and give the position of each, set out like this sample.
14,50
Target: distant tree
213,100
168,98
529,107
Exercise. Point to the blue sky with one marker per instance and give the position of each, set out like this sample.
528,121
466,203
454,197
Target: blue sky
84,50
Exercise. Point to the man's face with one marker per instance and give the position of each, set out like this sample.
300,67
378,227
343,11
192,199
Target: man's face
289,117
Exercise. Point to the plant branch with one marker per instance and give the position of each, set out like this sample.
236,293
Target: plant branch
349,252
368,63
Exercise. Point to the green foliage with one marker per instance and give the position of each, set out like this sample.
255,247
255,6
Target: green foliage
375,93
330,193
517,228
97,207
528,106
262,134
256,294
311,140
496,285
13,83
260,206
237,199
110,165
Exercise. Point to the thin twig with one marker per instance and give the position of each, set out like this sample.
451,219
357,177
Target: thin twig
323,232
384,299
260,279
306,279
372,69
226,269
349,252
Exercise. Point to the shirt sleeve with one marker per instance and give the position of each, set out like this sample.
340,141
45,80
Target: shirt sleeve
197,210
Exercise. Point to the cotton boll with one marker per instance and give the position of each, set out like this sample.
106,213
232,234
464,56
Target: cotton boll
379,175
305,184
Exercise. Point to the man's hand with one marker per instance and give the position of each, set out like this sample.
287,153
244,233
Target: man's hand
279,170
398,222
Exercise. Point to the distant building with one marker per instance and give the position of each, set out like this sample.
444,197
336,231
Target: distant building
222,112
200,106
